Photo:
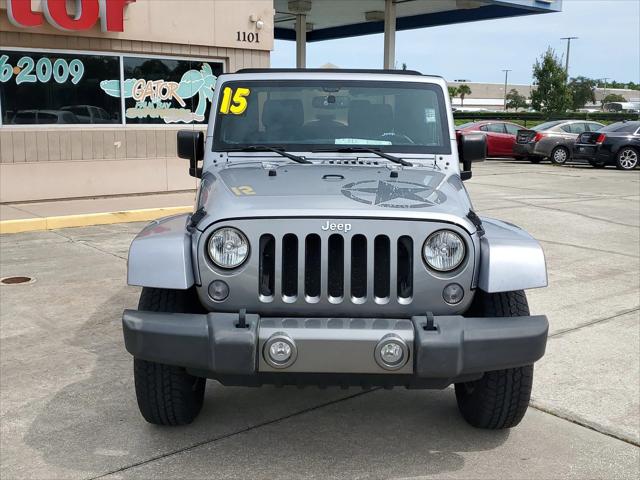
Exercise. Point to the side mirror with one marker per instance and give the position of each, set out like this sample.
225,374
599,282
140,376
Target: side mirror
191,147
472,147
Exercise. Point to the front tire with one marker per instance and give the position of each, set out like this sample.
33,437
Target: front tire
166,394
500,398
559,156
627,158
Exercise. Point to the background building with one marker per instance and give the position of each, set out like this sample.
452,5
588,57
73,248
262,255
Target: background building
490,96
92,92
67,129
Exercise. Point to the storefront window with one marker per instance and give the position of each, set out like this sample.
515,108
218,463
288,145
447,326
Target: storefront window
168,91
56,88
52,88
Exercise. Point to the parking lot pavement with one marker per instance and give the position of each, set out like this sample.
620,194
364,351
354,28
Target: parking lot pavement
68,409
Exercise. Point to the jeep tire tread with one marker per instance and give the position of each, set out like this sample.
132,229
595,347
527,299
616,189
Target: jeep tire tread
167,395
500,398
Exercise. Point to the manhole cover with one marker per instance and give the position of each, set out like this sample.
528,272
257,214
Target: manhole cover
16,280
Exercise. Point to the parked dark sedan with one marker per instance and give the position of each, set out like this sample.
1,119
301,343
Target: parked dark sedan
616,144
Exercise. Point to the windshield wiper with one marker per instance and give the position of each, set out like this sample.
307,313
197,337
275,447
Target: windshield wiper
375,151
265,148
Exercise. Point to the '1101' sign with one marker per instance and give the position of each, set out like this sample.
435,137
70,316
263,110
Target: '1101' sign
110,13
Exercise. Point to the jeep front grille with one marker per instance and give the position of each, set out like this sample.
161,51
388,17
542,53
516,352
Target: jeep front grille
338,268
303,267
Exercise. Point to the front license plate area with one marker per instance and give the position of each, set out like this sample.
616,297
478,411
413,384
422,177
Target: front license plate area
335,345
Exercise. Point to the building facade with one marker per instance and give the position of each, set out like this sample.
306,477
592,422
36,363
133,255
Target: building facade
92,92
490,96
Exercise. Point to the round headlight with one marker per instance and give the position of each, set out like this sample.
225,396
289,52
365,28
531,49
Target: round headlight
443,250
228,247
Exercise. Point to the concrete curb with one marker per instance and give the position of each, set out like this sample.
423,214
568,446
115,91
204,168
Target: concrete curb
83,220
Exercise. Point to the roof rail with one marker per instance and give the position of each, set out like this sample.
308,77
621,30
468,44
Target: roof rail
327,70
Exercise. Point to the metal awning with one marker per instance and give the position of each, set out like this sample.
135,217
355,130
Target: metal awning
315,20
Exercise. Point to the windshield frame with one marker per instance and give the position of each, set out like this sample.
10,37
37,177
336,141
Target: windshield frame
218,146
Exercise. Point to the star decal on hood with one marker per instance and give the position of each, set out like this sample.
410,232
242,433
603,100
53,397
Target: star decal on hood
393,194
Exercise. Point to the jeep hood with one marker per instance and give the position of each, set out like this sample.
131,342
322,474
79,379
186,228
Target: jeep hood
333,192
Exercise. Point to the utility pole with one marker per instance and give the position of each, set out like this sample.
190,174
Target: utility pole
605,85
566,68
604,95
506,75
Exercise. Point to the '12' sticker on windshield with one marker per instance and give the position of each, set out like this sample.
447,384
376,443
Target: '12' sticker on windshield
234,102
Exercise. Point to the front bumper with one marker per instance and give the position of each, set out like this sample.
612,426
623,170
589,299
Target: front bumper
337,351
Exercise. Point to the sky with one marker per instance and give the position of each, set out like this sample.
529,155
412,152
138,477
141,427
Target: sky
608,45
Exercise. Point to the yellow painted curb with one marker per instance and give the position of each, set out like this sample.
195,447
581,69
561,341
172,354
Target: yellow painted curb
83,220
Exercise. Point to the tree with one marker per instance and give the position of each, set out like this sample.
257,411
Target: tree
582,91
551,93
453,92
515,100
463,90
614,84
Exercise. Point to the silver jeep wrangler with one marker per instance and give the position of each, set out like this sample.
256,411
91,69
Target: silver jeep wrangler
334,243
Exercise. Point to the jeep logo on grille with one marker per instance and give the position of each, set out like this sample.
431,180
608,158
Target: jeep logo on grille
340,227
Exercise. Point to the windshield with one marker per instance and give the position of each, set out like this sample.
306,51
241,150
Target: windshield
303,115
546,126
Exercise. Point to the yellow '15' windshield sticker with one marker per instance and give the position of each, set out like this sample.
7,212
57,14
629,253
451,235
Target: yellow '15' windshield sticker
234,103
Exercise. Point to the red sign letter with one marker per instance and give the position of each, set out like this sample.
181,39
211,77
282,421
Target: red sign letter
112,15
86,16
21,15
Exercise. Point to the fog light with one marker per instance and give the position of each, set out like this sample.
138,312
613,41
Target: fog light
392,352
280,351
453,293
218,290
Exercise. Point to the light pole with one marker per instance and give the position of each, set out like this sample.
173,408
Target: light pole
605,85
604,95
506,75
568,39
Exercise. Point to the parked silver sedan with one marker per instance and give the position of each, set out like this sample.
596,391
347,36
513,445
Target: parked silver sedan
553,140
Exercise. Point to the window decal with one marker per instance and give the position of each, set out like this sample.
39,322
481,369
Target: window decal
154,98
28,70
234,103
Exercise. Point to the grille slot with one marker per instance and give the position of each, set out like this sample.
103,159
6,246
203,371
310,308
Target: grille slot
290,266
335,271
405,268
312,268
312,265
267,268
381,268
359,268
